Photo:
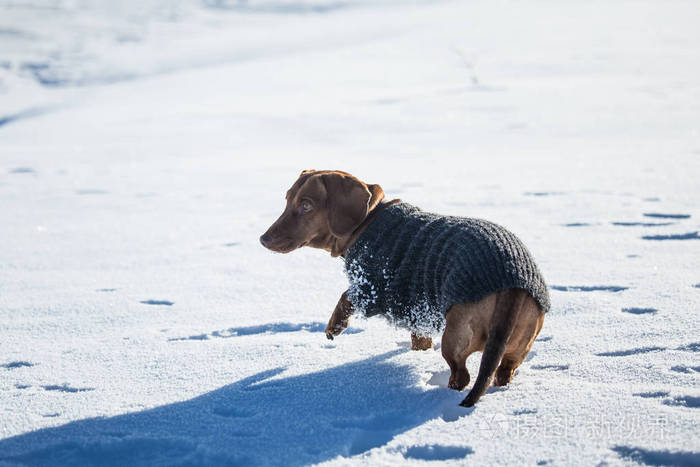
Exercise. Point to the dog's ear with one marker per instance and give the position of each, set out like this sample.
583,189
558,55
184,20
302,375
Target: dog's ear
347,201
303,176
377,195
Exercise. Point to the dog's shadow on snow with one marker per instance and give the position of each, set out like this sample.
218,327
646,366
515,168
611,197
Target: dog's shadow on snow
263,419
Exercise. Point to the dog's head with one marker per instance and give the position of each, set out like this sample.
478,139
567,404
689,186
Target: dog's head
324,208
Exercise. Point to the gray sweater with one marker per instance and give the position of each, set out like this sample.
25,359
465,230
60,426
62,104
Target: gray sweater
412,266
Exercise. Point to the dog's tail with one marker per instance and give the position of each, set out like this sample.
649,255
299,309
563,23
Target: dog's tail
506,310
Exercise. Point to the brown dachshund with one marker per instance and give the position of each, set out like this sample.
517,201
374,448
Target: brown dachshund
331,209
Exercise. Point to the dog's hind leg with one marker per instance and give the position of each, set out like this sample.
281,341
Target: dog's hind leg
508,303
529,322
420,342
454,350
464,334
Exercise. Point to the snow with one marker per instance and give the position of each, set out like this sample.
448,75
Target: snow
144,148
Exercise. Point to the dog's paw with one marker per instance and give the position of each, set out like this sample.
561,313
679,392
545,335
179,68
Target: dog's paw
470,400
335,329
332,331
454,385
467,402
459,381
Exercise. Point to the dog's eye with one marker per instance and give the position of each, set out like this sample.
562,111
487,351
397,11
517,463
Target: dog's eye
306,206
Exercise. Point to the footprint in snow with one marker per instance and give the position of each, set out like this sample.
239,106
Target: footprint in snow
682,401
22,170
692,402
197,337
640,311
588,288
436,452
697,286
651,395
692,347
158,302
686,369
550,367
230,244
105,290
661,457
578,224
525,412
641,224
544,339
65,388
636,351
684,236
17,364
658,215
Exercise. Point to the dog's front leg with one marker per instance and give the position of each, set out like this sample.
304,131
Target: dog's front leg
340,317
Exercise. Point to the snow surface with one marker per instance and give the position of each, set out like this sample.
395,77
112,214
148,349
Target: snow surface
145,145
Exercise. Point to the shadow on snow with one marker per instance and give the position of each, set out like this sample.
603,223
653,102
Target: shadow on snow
262,419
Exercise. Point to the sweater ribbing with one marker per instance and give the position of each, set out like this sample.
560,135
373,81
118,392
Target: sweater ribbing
412,266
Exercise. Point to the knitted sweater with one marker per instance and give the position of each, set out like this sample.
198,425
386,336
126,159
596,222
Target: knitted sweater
412,266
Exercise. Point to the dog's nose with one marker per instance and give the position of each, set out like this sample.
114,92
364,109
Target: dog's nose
264,239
